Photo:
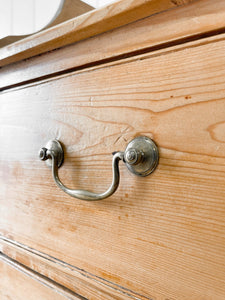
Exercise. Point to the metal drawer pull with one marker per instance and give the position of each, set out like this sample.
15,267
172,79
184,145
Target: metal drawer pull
140,156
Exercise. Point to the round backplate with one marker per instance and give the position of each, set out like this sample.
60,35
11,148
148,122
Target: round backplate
150,158
56,147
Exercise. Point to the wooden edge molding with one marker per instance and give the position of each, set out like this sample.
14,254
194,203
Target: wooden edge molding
51,288
164,51
183,24
85,26
72,278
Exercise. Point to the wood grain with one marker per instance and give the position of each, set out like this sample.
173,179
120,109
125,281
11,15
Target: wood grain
92,23
70,10
18,283
162,236
188,22
81,282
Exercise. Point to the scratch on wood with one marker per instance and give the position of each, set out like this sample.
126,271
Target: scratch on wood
117,139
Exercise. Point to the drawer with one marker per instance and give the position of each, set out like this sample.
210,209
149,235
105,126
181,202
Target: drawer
18,283
161,236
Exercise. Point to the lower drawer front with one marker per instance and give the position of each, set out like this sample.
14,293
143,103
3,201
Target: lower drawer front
19,283
160,236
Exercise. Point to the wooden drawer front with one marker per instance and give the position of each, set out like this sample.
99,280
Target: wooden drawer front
18,283
162,236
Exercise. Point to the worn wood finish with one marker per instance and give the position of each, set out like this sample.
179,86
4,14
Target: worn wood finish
161,236
81,282
92,23
17,282
71,9
182,23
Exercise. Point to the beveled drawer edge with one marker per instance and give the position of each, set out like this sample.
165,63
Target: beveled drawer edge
72,278
141,56
43,280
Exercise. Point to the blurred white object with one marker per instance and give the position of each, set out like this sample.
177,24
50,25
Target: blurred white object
98,3
23,17
19,17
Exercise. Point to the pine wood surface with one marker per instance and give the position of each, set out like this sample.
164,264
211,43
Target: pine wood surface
188,22
77,280
161,236
71,9
19,283
82,27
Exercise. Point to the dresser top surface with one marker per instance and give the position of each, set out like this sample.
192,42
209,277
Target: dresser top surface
85,26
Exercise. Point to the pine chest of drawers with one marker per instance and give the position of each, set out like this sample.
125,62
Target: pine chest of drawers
113,76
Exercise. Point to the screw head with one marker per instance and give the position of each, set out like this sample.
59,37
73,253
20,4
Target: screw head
43,154
131,156
147,156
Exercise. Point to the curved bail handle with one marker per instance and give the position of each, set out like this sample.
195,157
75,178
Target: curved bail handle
54,152
83,194
140,156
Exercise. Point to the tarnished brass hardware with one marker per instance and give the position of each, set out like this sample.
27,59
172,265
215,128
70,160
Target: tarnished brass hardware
140,156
